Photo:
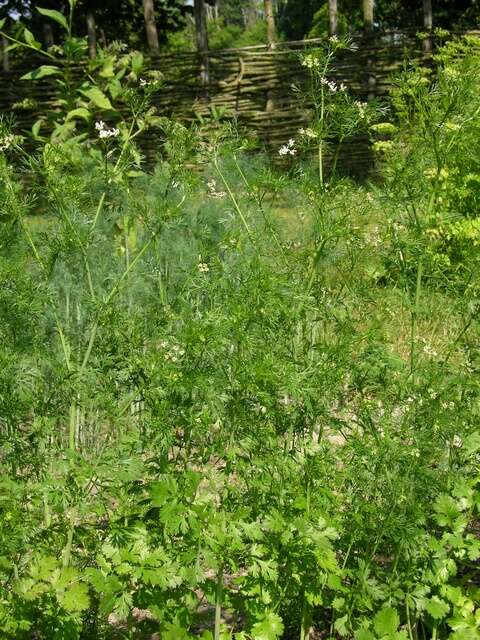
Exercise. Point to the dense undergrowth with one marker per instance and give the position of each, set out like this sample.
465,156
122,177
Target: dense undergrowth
243,402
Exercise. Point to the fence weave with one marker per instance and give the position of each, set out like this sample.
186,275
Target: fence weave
242,80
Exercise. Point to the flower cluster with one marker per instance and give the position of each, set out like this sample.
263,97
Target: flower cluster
212,188
362,108
8,141
311,62
288,149
202,266
307,133
104,131
333,85
172,352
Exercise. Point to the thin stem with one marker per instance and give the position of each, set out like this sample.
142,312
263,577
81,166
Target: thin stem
415,313
235,203
218,603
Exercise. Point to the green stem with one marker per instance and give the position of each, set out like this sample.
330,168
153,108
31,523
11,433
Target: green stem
235,203
218,603
67,552
415,313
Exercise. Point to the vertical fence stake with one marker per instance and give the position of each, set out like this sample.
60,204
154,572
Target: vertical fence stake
202,44
333,17
428,24
5,59
91,35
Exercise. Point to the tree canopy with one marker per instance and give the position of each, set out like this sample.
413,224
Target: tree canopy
232,22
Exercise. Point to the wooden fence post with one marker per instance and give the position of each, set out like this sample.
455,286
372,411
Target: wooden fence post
47,34
368,35
270,24
333,17
368,15
201,31
5,58
91,35
150,26
428,24
268,8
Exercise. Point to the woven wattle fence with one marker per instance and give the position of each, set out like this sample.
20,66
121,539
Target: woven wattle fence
243,81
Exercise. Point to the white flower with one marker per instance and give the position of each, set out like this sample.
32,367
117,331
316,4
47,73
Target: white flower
457,441
202,266
288,149
362,108
104,132
8,141
310,62
430,351
143,83
343,86
330,84
212,187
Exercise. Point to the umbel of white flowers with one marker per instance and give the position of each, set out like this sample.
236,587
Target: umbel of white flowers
104,131
288,149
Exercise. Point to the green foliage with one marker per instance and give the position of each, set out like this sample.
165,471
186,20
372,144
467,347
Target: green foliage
227,408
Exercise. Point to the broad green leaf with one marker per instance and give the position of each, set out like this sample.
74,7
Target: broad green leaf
446,509
2,22
107,69
36,128
54,15
174,631
386,622
437,608
270,628
137,63
80,112
472,443
364,634
341,625
30,39
98,98
42,72
115,88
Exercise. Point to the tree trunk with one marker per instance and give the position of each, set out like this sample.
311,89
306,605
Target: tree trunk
150,25
368,15
47,34
370,61
92,38
103,38
270,24
428,24
201,32
333,17
250,15
5,58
